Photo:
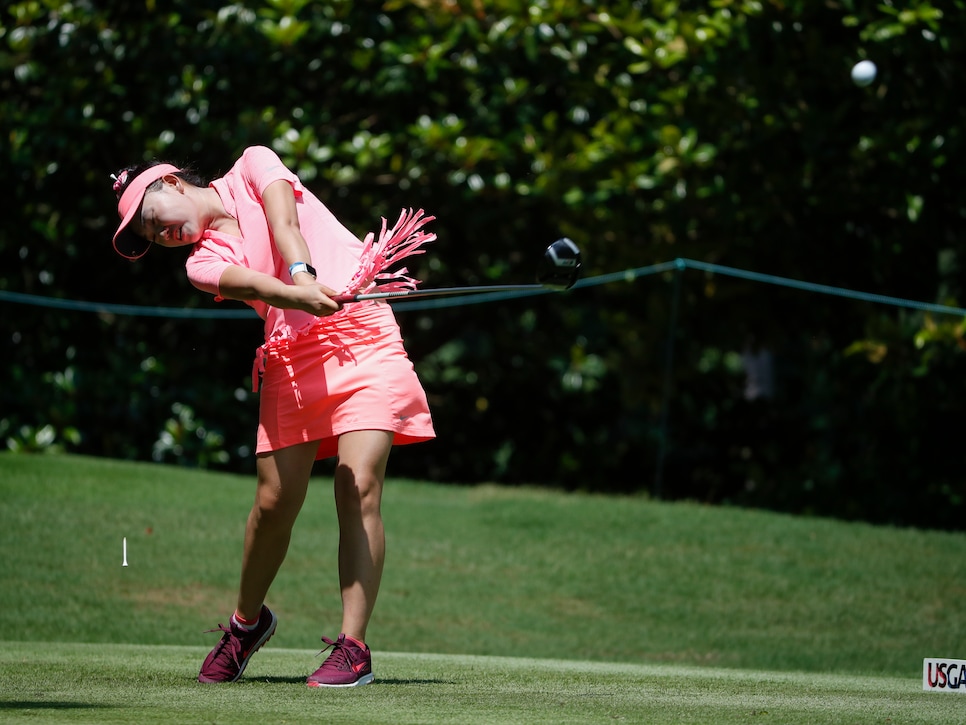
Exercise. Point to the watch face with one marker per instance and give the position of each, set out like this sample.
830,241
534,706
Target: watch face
301,267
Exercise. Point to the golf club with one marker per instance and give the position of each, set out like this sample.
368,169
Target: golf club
558,270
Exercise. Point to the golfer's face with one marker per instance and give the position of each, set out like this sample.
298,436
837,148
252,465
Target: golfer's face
169,217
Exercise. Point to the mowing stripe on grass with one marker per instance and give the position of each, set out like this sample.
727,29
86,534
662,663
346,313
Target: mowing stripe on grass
78,683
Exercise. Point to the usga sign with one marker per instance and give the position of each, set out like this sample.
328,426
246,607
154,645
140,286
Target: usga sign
944,675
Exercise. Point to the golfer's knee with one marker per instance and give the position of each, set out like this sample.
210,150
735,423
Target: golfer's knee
274,504
358,491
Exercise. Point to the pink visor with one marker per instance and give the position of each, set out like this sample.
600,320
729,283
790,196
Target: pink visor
127,243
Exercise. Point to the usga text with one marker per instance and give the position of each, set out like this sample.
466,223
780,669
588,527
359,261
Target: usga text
943,674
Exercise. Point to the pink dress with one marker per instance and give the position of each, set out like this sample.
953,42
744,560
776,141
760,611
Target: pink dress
319,377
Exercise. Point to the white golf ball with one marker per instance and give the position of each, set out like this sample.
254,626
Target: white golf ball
863,72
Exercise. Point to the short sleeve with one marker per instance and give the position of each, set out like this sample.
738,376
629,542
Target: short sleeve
261,166
208,261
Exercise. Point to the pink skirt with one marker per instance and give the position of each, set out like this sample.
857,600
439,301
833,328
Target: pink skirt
347,373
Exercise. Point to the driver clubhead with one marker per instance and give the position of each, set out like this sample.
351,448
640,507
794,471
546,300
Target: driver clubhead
560,266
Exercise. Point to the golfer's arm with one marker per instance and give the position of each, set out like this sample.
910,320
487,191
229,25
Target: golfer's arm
281,212
241,283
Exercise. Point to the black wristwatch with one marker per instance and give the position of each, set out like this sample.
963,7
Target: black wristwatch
294,269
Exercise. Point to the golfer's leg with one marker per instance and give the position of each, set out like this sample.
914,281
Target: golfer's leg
359,477
283,478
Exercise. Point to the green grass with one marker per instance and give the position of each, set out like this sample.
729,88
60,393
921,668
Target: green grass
498,605
125,684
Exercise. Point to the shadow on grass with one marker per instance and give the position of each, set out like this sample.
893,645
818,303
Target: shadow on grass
377,681
47,705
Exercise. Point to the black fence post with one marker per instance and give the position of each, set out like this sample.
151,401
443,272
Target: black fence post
662,443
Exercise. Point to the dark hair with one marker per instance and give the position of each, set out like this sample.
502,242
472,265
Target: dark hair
126,175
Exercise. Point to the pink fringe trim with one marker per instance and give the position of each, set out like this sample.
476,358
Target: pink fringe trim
403,240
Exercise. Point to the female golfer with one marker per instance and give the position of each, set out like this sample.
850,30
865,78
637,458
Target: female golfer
333,380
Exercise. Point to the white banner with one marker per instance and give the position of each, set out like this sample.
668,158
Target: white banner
941,674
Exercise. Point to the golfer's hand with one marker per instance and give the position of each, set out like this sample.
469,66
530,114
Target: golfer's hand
310,296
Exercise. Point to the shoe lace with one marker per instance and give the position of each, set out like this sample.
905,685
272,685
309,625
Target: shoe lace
224,646
339,657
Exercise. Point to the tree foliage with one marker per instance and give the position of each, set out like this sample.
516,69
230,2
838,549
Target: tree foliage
722,131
